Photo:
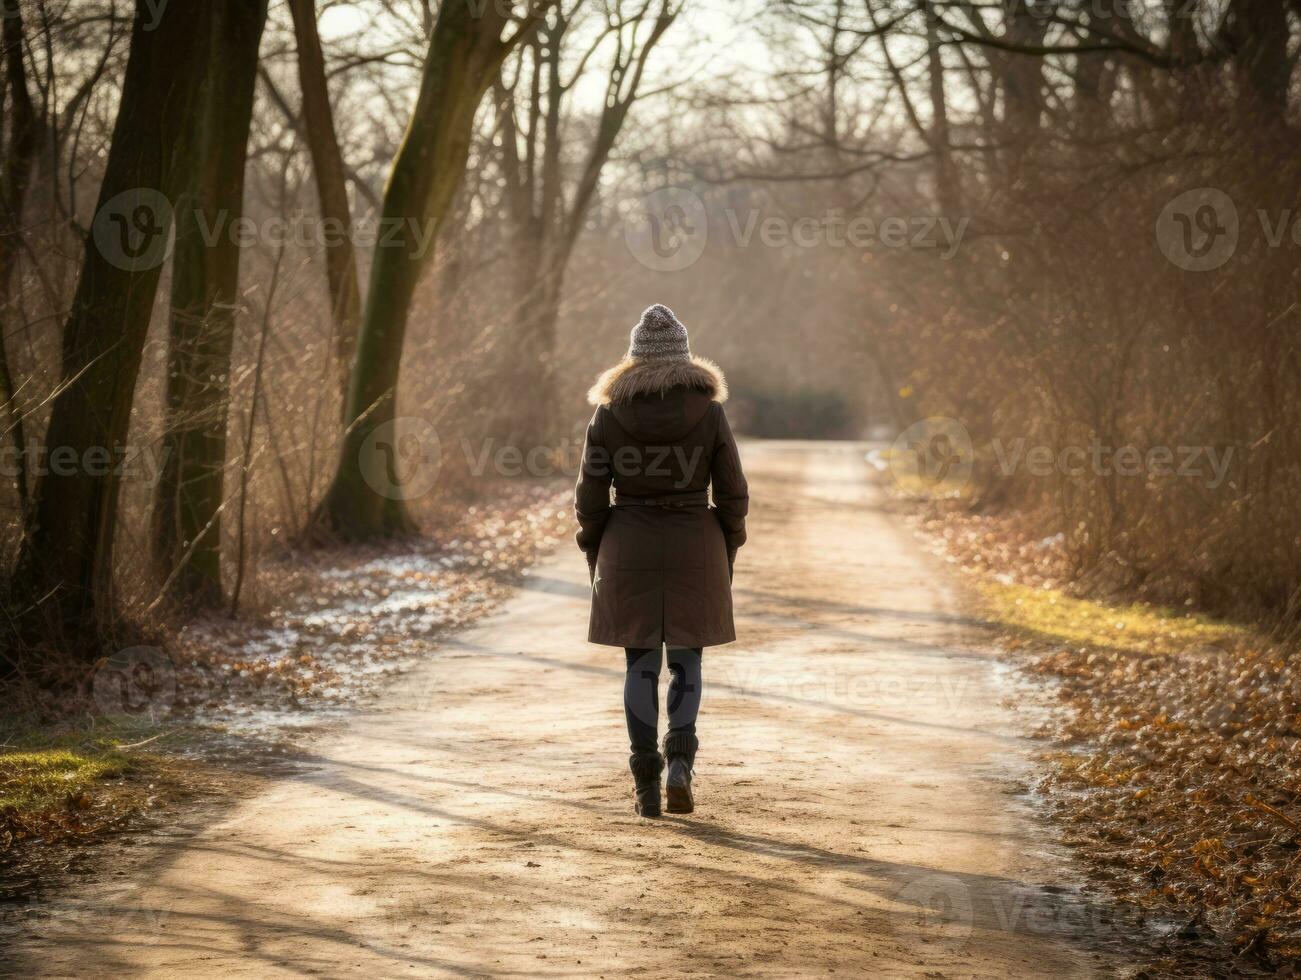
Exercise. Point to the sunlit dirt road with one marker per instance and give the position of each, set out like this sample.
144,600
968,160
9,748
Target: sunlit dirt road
861,786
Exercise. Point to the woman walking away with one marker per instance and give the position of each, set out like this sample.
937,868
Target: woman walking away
660,556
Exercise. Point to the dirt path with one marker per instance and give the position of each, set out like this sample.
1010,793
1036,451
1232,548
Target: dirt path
861,799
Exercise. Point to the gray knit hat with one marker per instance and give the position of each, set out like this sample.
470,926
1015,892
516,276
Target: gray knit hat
659,336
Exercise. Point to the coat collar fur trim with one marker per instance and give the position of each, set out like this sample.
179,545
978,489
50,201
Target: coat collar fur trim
629,379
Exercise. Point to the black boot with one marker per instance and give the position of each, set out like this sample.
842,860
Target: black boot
646,768
680,748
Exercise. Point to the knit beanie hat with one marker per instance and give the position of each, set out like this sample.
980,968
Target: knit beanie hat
659,336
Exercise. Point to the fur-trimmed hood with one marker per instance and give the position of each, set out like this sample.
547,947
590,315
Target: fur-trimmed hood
630,379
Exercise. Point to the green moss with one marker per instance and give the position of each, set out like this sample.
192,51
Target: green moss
31,781
1050,615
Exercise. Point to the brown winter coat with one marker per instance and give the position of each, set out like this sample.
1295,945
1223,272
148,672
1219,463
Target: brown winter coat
661,574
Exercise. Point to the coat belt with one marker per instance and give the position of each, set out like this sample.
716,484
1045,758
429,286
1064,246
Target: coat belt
672,501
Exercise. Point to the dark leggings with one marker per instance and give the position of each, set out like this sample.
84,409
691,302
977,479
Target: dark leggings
641,705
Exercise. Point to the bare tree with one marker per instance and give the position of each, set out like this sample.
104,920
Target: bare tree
24,137
63,585
466,51
205,299
331,186
547,217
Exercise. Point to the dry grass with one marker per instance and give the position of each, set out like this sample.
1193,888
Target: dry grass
1175,774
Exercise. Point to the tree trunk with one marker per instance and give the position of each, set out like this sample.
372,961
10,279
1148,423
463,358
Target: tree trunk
24,134
205,294
1259,36
946,178
1023,78
511,375
331,187
366,498
540,314
63,582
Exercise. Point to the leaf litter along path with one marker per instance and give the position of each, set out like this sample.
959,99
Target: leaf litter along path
861,798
